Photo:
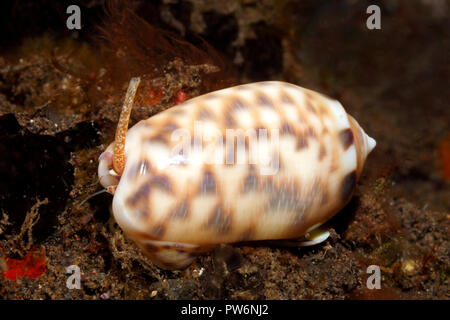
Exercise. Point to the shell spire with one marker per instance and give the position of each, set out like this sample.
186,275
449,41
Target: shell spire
364,144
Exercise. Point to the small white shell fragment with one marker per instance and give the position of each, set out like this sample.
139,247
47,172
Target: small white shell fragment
296,159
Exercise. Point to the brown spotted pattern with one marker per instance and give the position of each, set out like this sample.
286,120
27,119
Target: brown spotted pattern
206,204
346,137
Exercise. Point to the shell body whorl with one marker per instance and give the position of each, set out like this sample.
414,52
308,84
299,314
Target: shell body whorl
276,160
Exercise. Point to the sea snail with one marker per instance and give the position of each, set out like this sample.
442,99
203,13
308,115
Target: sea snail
260,161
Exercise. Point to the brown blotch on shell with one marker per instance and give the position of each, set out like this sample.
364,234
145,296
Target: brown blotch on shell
219,220
162,182
143,212
322,152
159,138
310,107
143,192
251,181
135,170
247,235
205,114
286,128
169,127
208,184
310,133
346,138
181,210
283,196
347,186
264,101
302,142
157,232
229,120
286,98
236,104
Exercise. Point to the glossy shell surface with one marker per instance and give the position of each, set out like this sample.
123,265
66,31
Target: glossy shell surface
275,161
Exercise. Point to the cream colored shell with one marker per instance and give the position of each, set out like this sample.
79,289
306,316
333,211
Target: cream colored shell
171,198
